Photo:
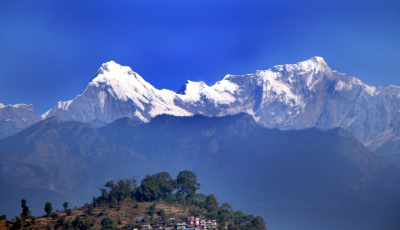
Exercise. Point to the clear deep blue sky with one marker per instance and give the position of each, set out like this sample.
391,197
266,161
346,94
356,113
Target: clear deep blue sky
50,49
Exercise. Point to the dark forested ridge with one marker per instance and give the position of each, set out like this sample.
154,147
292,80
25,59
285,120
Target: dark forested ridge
251,167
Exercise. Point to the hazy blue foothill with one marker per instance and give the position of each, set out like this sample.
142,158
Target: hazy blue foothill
298,179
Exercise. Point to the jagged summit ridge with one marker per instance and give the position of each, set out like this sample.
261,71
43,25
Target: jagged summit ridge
22,105
290,96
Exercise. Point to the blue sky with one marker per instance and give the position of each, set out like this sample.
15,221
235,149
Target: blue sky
49,50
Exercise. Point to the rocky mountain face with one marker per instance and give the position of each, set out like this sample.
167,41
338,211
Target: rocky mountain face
297,96
14,118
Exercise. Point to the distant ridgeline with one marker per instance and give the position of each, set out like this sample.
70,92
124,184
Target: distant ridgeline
160,202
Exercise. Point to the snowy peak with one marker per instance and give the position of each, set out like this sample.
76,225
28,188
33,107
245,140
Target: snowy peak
112,70
314,64
114,92
112,66
316,60
21,106
121,81
184,88
192,88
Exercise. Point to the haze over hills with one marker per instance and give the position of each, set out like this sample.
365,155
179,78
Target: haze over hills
311,168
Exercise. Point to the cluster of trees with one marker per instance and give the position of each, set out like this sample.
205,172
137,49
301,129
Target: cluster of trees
182,190
156,187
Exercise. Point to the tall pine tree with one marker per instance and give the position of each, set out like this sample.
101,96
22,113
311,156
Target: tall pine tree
26,213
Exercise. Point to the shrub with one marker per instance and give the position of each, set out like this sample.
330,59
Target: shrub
89,211
83,223
150,212
54,215
107,223
60,222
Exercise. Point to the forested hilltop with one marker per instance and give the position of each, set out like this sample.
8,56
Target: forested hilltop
159,202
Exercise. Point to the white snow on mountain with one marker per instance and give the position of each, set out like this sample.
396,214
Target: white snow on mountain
371,90
21,105
64,105
45,115
122,83
272,82
291,96
220,93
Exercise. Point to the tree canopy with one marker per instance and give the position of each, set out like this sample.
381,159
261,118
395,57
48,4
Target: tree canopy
156,187
48,208
187,182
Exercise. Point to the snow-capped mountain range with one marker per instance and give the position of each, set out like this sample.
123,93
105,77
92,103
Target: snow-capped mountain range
292,96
